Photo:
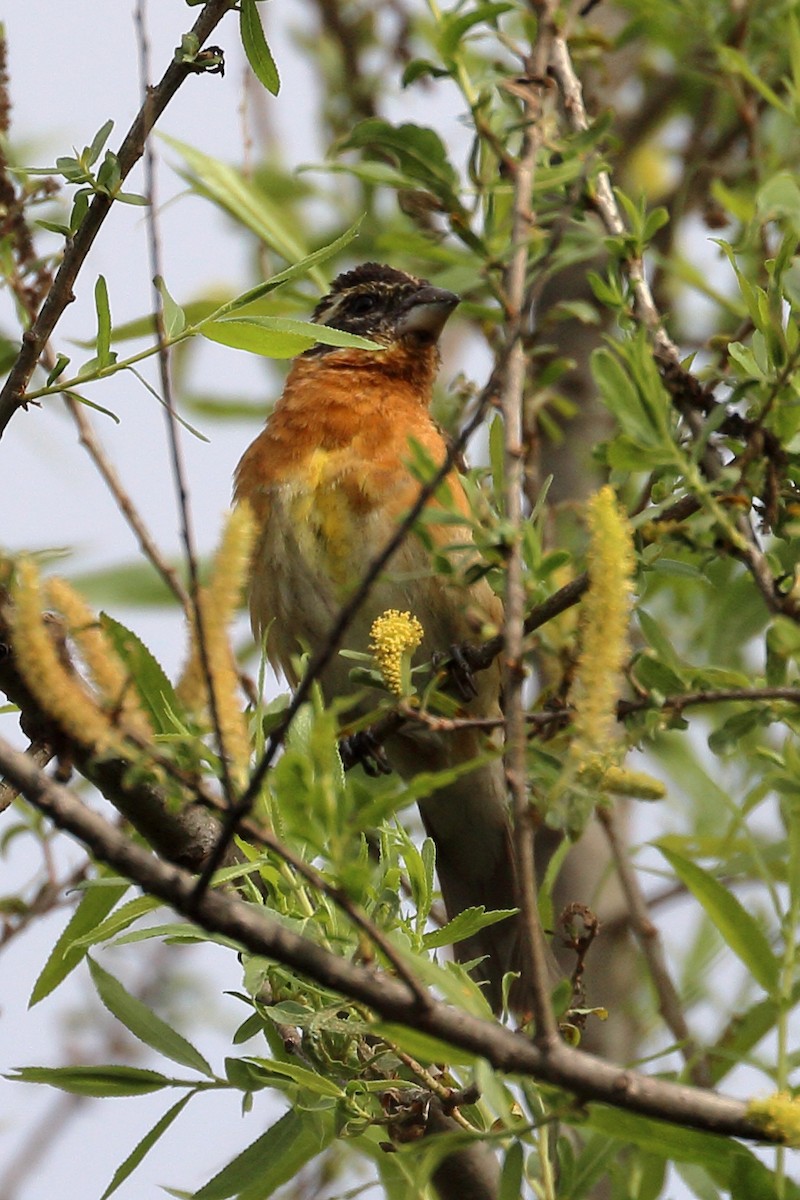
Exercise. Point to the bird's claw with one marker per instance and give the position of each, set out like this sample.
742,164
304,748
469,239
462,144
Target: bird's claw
461,674
363,747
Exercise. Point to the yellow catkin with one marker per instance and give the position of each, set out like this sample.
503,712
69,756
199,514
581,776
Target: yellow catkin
394,636
105,666
604,626
218,604
778,1115
635,784
59,692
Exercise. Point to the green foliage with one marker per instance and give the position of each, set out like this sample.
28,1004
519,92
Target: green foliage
695,453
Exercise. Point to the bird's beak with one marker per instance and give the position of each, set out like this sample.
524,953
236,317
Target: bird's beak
427,312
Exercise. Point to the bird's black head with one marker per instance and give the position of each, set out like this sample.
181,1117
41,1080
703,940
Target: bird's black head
386,305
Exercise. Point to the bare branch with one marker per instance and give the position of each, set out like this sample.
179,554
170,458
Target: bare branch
91,443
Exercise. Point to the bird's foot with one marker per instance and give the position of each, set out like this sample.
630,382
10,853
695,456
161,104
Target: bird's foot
363,747
461,674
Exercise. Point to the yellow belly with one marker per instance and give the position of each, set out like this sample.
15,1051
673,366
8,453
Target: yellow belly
329,533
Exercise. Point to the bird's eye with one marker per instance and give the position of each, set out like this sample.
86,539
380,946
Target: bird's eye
361,304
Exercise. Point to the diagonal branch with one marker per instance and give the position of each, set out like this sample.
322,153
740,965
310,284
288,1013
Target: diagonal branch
534,948
589,1078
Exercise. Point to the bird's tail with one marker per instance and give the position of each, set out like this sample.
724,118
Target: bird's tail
469,823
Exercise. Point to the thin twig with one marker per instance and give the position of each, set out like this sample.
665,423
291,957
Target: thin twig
173,431
51,895
588,1077
605,202
535,967
12,396
647,935
90,442
26,299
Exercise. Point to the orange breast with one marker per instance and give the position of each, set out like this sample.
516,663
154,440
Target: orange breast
328,481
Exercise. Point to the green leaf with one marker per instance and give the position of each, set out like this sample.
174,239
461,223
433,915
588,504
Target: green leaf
155,690
319,1084
671,1141
99,140
103,355
120,919
61,363
744,1032
67,953
98,408
740,931
144,1146
468,922
278,337
274,1158
453,28
95,1081
174,316
418,151
423,1046
511,1177
245,201
734,61
143,1022
306,266
255,47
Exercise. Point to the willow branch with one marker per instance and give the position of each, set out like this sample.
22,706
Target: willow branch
587,1077
513,633
173,433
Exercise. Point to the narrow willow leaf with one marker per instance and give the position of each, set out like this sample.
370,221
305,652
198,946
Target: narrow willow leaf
99,140
95,1081
305,266
121,919
273,1159
144,1023
718,1154
155,690
68,952
314,1082
278,337
468,922
98,408
511,1177
740,931
244,200
174,316
423,1047
103,349
255,45
133,584
145,1145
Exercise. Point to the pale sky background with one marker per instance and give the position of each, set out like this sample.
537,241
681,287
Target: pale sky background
72,66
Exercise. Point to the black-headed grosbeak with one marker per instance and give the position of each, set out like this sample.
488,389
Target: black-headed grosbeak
328,479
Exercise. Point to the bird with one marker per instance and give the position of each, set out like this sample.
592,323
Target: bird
328,479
